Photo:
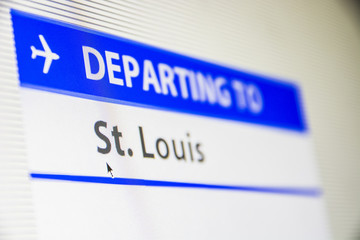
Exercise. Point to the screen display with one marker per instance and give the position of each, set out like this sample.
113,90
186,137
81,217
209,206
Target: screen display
126,140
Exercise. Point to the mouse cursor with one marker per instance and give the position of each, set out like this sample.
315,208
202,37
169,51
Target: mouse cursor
109,169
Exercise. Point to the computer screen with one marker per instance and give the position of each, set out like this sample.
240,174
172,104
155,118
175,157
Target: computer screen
155,120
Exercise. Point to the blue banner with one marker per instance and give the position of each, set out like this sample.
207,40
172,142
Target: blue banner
67,59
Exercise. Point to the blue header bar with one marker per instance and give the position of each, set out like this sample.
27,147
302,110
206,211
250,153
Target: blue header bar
63,58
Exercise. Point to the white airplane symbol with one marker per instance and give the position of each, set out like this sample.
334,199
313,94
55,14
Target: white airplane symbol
47,54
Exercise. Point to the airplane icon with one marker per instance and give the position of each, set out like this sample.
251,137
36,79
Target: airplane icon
46,53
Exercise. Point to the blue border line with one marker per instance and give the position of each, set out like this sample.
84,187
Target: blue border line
297,191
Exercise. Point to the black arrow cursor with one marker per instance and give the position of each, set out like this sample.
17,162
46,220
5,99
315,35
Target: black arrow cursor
109,169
